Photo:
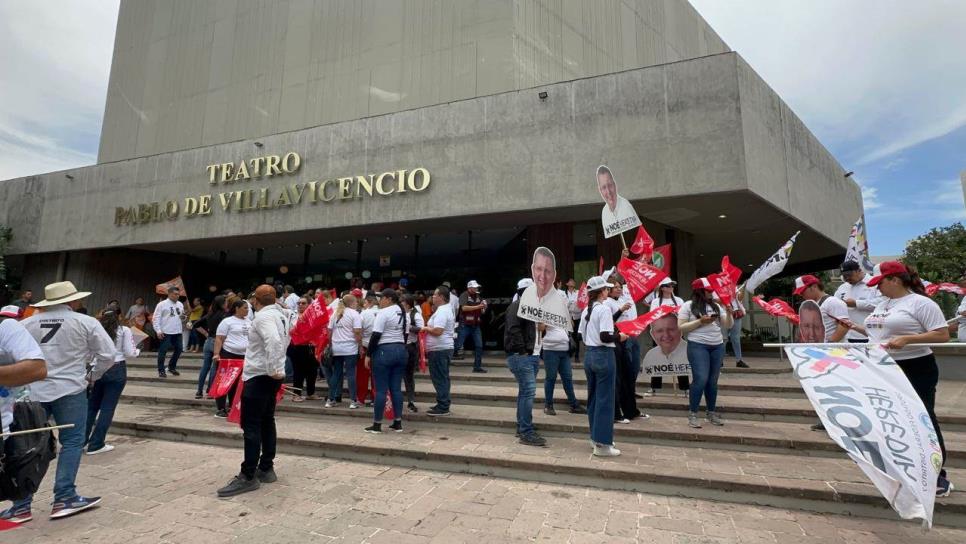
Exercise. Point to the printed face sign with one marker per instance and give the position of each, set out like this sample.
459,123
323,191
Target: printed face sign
810,326
670,356
541,302
618,215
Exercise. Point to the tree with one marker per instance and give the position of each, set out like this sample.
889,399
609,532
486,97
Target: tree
939,255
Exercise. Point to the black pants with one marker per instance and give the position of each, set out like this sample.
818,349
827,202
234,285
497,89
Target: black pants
923,374
409,378
576,353
625,405
222,403
258,423
304,367
684,382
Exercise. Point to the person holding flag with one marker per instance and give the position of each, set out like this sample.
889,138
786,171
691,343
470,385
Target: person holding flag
665,297
703,321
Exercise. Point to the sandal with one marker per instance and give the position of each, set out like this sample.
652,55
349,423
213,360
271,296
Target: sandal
298,399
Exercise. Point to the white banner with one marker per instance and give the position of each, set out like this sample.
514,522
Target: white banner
858,247
775,264
869,409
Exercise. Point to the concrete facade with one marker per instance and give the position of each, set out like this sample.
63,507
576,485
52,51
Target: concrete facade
190,74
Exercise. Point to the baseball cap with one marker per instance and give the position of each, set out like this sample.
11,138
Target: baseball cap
357,292
524,283
701,283
597,282
667,281
802,283
388,292
10,311
473,285
886,269
850,266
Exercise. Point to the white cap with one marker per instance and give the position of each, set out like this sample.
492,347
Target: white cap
524,283
667,281
10,311
473,285
597,282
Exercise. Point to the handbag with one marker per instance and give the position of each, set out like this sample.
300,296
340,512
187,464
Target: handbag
24,458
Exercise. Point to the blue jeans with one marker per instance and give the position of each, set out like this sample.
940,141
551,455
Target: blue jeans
170,340
208,370
558,362
439,372
102,403
343,367
524,369
474,330
388,366
734,334
705,368
193,338
600,365
66,409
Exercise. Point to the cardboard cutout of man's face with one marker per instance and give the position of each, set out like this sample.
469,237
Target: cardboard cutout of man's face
543,270
608,188
666,333
810,329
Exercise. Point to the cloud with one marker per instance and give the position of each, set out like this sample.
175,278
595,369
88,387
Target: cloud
870,197
944,203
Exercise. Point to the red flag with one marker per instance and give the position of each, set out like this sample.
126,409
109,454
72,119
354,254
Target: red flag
725,283
600,267
661,258
641,277
643,243
733,271
582,299
778,308
228,372
422,351
636,326
162,288
6,525
312,325
234,414
934,288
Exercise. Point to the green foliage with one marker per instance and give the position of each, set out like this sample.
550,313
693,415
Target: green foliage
939,255
4,240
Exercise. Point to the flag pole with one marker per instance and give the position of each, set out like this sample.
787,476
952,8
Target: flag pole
856,345
39,430
623,243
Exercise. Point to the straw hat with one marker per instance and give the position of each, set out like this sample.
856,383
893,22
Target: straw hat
60,293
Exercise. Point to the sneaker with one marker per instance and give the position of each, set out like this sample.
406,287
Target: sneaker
396,426
437,412
742,364
198,396
605,450
578,410
353,405
162,374
693,420
650,393
368,404
238,485
221,413
715,419
73,506
412,407
549,411
174,372
266,476
943,487
818,427
104,449
20,515
622,420
533,439
641,415
375,428
479,370
331,404
312,397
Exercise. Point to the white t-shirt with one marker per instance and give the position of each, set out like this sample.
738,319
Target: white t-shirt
413,335
911,314
343,335
601,320
832,308
866,299
368,320
623,217
556,339
572,303
16,344
454,303
631,313
235,330
657,302
709,334
167,317
389,321
442,317
292,302
962,320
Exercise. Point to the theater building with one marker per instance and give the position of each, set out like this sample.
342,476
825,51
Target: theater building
313,141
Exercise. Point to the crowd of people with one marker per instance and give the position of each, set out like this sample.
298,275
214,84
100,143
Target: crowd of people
75,364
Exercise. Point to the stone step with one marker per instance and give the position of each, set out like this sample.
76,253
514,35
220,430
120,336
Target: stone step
741,435
732,404
833,485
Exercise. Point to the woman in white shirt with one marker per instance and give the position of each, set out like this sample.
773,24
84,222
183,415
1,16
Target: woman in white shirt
905,318
415,320
106,391
665,297
346,325
231,342
600,365
387,352
702,320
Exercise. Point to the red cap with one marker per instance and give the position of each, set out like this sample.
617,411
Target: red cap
357,292
802,283
701,283
886,269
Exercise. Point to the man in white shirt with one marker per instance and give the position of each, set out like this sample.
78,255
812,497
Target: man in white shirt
263,374
168,321
290,298
858,296
439,349
68,340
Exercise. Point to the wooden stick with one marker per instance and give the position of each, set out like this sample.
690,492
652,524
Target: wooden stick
40,430
623,243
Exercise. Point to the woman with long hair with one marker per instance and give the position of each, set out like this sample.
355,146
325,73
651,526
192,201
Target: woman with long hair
305,367
231,342
703,321
106,391
387,360
206,327
600,365
665,297
415,322
346,325
905,318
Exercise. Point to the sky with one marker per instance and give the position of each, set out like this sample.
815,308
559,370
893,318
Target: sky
881,83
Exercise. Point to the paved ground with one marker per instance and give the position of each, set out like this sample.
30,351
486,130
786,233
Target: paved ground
158,492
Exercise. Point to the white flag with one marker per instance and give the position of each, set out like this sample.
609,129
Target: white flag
858,247
869,409
775,264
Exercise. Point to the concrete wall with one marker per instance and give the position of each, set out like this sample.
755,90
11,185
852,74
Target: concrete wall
188,74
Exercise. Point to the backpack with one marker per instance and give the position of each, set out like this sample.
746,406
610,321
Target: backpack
25,458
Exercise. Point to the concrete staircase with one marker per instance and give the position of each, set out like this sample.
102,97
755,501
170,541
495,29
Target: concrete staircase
765,454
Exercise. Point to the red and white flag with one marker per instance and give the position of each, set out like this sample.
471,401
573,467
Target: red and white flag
661,258
778,308
637,326
643,243
162,288
641,277
725,283
582,299
313,325
934,288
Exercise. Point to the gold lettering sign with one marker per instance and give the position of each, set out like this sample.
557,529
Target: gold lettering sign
286,196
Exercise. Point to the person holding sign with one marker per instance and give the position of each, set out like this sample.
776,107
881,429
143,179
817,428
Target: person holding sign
540,301
617,215
702,320
665,297
600,365
521,340
905,318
